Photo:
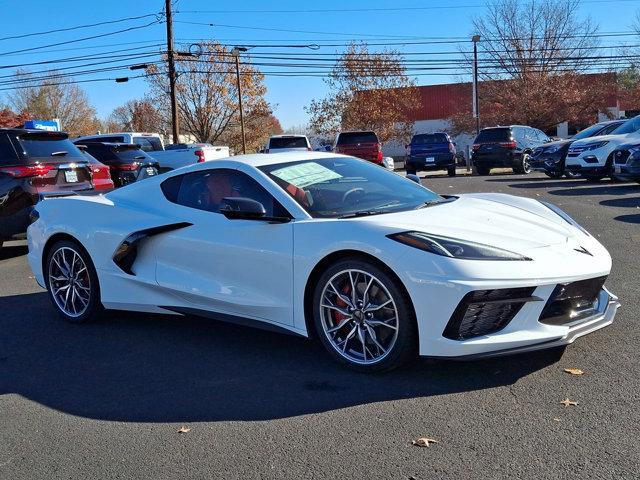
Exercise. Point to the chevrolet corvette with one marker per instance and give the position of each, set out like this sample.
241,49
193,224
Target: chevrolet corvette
375,266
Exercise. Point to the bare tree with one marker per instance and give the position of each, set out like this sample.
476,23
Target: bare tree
368,91
137,116
207,94
55,97
532,59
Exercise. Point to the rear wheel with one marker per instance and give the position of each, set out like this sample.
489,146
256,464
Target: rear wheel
482,170
451,171
72,282
524,167
363,317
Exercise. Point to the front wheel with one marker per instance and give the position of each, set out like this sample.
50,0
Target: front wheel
72,282
363,317
524,167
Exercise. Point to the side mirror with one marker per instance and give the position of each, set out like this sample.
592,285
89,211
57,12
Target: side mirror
241,208
414,178
235,208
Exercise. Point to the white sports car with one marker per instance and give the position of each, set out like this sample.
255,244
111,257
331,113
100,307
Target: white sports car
376,266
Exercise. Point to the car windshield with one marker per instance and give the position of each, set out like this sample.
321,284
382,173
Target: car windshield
591,131
426,139
351,138
494,135
288,142
630,126
348,187
48,145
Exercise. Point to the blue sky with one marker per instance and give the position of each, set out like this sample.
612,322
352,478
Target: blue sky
435,18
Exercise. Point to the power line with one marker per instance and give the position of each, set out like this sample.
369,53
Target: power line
68,29
155,22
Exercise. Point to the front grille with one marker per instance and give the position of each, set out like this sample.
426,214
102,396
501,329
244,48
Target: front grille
570,302
621,157
485,311
575,151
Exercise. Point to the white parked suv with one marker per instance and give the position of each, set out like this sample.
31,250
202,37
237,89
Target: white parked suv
592,157
288,143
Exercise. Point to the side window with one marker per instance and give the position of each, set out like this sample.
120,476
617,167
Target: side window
608,129
207,189
144,144
8,154
542,137
516,132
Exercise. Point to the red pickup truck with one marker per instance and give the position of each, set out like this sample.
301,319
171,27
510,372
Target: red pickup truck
363,145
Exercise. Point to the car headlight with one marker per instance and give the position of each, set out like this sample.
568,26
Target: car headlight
594,145
453,248
553,149
564,215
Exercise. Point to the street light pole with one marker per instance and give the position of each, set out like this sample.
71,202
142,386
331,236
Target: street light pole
172,74
476,106
236,53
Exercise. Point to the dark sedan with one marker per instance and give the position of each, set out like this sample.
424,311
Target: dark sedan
550,158
626,163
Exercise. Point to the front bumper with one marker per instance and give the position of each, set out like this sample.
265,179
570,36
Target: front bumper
595,171
627,172
548,163
608,305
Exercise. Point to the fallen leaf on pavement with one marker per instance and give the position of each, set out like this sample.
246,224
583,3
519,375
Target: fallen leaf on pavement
423,442
184,429
574,371
568,403
556,419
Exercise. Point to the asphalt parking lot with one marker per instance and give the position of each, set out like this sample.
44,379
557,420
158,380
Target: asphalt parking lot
105,400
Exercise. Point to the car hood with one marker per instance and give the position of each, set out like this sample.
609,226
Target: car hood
505,221
558,143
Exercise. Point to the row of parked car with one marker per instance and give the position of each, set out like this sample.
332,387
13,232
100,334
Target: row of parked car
607,149
34,163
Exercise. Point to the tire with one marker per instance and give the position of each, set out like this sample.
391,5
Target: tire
523,167
482,170
553,175
411,170
354,344
68,260
572,175
451,171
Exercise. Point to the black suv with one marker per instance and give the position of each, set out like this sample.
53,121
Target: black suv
551,157
506,147
127,162
35,162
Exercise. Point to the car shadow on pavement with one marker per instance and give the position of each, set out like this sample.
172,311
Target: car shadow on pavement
12,251
537,182
628,218
156,368
622,202
611,189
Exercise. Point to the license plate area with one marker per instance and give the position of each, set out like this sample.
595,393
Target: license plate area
71,176
429,160
617,169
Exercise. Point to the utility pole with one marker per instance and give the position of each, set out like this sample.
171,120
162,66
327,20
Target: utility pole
236,53
476,106
172,73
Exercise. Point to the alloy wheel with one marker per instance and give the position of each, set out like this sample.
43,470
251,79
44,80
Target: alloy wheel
69,282
359,316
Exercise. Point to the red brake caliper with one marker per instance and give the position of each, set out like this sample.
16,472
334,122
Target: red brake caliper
337,316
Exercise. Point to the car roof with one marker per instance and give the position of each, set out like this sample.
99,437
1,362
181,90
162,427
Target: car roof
131,146
263,159
288,136
20,131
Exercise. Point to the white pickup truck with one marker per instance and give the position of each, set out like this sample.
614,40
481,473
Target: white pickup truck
177,156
